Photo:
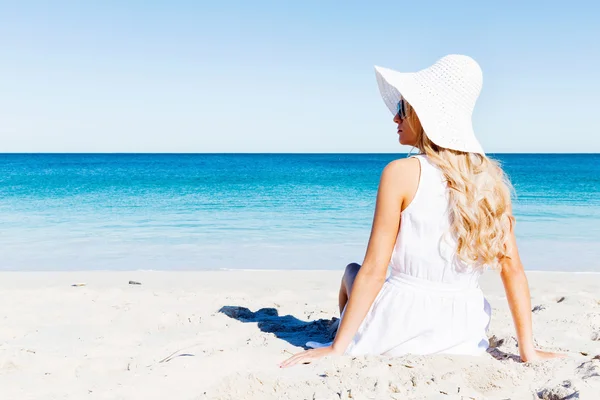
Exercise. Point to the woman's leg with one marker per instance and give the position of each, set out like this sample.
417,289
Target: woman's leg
345,288
347,282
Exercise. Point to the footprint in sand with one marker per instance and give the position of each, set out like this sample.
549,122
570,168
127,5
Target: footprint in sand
538,308
564,390
589,369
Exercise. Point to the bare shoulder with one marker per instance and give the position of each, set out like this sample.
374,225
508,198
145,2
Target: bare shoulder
403,170
401,176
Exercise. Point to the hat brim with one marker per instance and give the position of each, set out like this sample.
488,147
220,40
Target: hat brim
394,85
390,93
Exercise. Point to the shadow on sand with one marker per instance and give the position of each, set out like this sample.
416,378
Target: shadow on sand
286,327
297,332
501,355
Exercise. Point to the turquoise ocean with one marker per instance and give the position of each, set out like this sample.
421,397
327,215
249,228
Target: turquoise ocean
256,211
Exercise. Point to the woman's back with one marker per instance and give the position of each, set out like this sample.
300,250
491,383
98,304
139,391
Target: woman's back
425,248
431,302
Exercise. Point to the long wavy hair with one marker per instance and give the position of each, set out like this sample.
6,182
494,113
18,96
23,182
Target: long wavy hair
479,196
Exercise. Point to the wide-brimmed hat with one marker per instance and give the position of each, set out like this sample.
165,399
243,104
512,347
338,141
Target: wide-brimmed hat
443,96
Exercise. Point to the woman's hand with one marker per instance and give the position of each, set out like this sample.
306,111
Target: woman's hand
308,356
538,355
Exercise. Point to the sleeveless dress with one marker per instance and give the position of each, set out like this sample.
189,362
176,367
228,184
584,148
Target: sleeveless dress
431,302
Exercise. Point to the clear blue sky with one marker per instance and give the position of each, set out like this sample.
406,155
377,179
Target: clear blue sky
286,76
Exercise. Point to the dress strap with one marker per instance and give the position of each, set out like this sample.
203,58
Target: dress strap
424,180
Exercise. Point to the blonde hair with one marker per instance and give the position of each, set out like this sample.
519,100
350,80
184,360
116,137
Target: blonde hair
479,196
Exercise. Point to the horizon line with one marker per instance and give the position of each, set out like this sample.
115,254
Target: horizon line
267,153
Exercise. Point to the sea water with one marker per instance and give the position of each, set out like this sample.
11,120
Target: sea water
256,211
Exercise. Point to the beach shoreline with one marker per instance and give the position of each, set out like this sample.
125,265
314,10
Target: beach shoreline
221,334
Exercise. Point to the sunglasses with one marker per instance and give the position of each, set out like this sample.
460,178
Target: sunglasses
401,109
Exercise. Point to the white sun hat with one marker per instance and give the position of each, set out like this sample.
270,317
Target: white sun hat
443,96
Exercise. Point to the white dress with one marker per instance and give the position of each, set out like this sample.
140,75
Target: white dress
431,302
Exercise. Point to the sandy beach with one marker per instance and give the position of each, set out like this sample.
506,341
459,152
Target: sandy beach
221,334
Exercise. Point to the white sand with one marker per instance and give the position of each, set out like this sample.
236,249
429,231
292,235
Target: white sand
113,340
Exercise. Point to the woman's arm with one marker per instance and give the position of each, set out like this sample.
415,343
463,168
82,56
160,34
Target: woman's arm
372,273
398,178
519,301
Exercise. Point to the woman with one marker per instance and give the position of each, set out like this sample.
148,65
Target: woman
442,217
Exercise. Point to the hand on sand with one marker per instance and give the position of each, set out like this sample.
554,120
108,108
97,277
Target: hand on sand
538,355
308,356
